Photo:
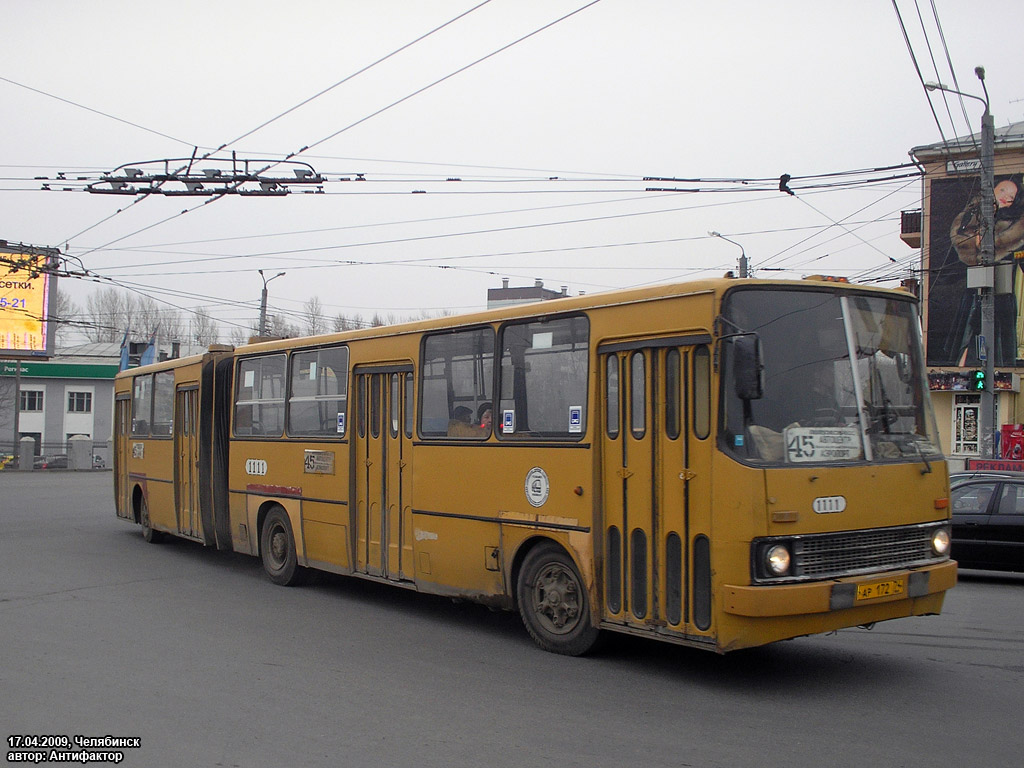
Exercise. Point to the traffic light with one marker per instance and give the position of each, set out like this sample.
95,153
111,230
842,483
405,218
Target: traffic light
978,380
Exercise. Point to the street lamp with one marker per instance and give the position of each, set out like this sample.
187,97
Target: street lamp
263,300
743,254
986,284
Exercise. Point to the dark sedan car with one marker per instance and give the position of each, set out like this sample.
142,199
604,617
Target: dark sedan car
988,520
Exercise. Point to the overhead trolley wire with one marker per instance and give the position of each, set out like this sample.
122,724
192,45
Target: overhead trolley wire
296,153
268,122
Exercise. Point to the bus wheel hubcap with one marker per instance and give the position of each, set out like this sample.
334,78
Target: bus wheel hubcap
278,546
557,599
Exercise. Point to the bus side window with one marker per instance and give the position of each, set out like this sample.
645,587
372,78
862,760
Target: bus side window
612,396
455,384
163,403
410,414
142,405
393,405
544,366
638,394
672,398
701,392
259,396
319,392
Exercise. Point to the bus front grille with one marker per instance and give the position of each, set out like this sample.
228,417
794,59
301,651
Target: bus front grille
848,553
839,554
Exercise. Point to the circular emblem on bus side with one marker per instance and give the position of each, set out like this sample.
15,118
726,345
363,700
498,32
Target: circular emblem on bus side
537,486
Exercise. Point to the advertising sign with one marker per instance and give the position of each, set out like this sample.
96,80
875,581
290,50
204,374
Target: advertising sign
26,295
954,308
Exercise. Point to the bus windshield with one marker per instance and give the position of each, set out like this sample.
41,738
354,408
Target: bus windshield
843,379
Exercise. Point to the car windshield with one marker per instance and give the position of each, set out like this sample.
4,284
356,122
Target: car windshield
843,379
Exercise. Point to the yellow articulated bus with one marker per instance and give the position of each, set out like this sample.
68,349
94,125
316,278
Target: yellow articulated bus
722,463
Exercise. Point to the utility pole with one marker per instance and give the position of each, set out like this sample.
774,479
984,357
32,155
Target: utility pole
17,411
988,251
986,282
263,301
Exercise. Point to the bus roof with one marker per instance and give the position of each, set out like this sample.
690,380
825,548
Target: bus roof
552,306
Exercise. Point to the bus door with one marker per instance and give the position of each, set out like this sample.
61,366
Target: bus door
383,472
654,474
122,453
186,461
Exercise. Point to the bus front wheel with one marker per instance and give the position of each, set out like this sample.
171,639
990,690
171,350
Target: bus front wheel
553,602
277,550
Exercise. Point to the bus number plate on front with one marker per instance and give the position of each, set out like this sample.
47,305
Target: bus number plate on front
876,589
822,444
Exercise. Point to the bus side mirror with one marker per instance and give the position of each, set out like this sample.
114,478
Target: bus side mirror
748,366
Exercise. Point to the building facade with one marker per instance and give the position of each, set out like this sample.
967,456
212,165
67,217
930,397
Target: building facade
56,401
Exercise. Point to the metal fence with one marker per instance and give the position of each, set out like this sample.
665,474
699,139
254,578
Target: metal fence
58,456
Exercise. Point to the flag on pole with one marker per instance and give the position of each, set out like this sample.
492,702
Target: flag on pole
149,356
123,366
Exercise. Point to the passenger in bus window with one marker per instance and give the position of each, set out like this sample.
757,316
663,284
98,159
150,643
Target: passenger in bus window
461,423
484,417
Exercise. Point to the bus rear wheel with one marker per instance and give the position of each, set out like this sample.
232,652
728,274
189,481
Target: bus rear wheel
277,550
151,536
553,602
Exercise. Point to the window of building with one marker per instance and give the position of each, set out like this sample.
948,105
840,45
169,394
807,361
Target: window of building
457,376
966,415
544,379
79,402
259,397
31,400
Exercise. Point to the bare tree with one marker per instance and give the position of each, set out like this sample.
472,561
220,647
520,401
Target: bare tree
240,336
65,313
280,328
154,317
313,313
109,313
205,330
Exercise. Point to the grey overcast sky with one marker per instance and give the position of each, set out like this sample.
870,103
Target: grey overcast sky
549,113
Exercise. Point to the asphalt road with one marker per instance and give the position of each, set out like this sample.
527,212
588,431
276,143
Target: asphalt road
195,654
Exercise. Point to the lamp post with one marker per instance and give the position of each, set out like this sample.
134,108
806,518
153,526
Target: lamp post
263,300
743,254
986,263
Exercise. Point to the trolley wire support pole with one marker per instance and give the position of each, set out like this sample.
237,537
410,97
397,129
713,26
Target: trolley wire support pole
743,254
986,262
263,300
988,310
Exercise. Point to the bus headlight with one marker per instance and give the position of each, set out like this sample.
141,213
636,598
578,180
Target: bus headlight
776,560
940,541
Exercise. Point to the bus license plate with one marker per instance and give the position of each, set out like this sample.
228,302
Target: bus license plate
881,589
